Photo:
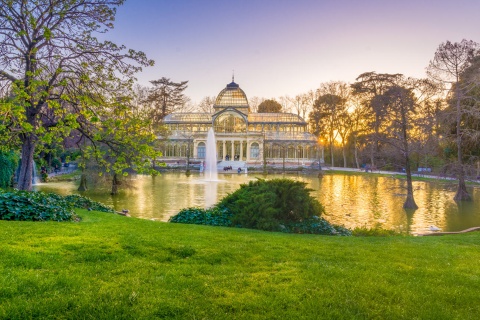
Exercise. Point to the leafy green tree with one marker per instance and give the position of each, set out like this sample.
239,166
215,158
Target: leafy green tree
269,106
58,72
119,140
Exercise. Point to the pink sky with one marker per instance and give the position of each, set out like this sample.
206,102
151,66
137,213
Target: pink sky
287,47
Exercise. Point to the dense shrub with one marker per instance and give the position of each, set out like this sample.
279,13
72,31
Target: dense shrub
77,201
271,204
275,205
33,206
211,217
8,165
39,206
315,225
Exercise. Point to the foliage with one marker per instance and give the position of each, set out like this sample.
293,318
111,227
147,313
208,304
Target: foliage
212,217
269,105
451,68
60,75
8,165
268,204
274,205
77,201
34,206
315,225
39,206
164,98
56,163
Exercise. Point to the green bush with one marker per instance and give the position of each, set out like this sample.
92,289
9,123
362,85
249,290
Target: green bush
39,206
274,205
271,204
34,206
211,217
316,225
77,201
8,165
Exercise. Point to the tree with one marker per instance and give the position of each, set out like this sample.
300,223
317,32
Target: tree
206,105
358,126
165,97
300,104
269,106
368,85
285,102
399,104
254,102
323,118
122,141
327,110
57,70
450,61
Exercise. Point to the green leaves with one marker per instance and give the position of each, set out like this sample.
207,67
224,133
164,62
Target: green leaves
268,204
39,206
274,205
8,164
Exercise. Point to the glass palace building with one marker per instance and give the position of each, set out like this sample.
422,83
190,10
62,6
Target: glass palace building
240,135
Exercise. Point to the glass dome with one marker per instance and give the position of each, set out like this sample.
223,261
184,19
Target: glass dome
231,96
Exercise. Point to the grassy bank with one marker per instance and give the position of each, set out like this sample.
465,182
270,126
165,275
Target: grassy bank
109,266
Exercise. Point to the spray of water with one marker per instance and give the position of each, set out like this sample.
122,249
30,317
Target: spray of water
211,173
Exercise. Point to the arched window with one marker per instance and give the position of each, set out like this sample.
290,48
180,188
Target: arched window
230,122
291,152
300,152
254,151
201,150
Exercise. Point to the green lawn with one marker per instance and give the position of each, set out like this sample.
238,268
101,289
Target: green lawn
113,267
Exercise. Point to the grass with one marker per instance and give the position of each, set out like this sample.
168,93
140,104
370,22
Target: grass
113,267
71,176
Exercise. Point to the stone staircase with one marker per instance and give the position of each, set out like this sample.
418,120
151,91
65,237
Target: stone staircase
234,164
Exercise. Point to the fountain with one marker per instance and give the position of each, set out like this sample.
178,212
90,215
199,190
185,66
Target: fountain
211,173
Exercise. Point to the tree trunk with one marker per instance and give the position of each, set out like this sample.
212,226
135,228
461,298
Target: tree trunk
25,176
331,154
462,193
356,153
114,185
83,182
410,201
344,153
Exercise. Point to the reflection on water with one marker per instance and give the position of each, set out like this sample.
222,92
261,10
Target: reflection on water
351,200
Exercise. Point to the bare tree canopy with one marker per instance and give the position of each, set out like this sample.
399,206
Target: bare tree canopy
449,63
57,70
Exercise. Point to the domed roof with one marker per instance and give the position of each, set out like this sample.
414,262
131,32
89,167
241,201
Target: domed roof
231,96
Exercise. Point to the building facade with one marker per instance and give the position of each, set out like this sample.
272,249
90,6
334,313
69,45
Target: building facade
240,135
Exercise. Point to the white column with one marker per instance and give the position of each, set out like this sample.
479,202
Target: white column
232,155
224,150
241,150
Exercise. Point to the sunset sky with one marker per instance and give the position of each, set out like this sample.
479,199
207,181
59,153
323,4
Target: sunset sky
287,47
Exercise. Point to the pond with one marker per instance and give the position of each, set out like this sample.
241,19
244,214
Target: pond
353,200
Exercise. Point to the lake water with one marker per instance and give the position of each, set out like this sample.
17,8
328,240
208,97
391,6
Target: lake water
350,200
